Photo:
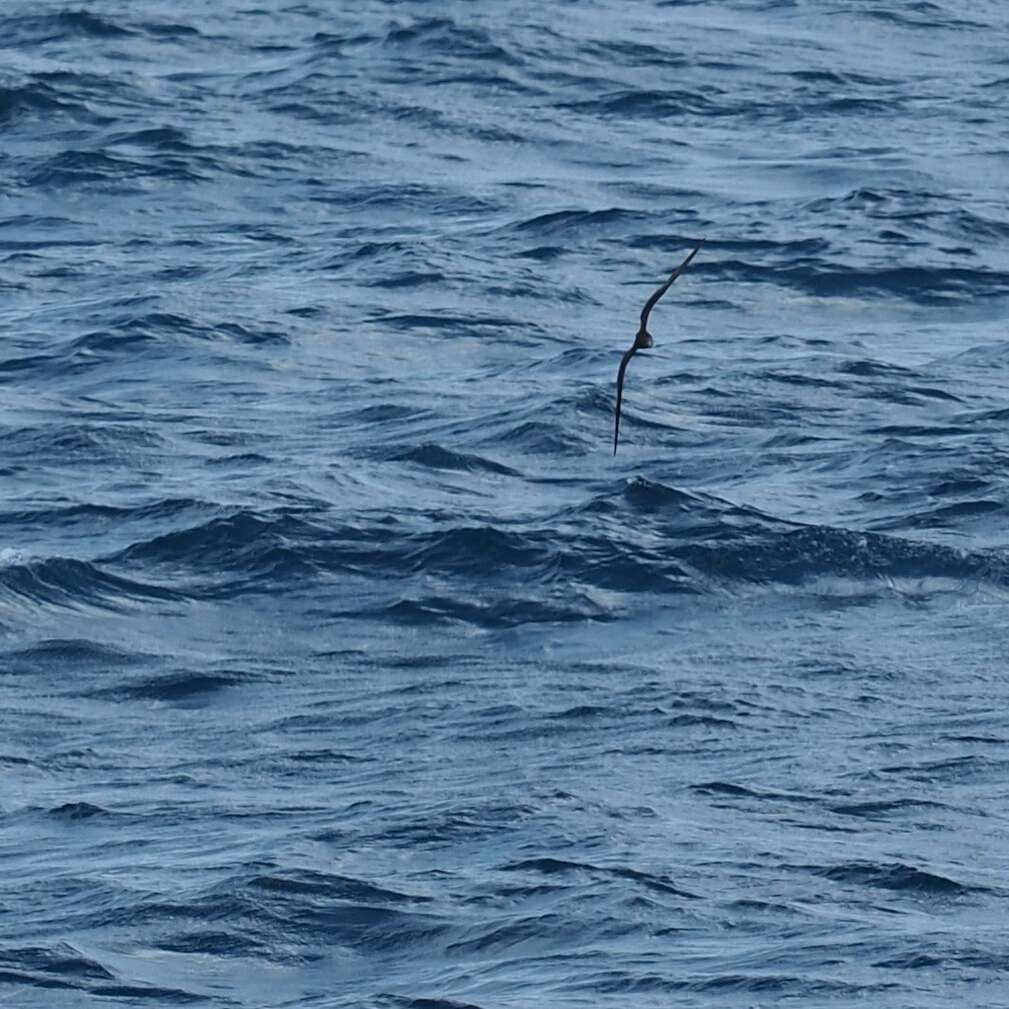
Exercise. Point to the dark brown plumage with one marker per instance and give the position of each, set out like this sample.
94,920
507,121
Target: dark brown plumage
643,339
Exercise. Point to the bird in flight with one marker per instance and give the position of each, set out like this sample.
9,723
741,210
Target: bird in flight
643,340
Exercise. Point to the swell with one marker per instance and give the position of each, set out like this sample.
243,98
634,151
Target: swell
60,582
640,537
923,285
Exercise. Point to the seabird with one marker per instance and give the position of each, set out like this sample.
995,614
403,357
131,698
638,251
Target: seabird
643,340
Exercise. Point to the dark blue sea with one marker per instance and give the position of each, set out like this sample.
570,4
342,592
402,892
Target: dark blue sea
343,664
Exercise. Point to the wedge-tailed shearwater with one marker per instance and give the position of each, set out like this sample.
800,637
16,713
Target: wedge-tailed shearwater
643,340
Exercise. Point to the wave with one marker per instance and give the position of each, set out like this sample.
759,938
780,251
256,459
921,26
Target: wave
564,867
103,170
897,876
643,537
440,36
882,808
406,1002
432,456
331,887
769,984
578,222
38,29
649,105
73,811
36,99
79,656
183,687
60,966
81,444
494,614
922,15
923,285
169,29
75,584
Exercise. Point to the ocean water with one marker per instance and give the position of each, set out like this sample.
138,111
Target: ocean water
342,664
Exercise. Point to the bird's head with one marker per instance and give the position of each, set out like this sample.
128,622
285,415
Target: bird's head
644,340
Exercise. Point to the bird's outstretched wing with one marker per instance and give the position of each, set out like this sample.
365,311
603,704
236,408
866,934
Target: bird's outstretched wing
620,391
651,302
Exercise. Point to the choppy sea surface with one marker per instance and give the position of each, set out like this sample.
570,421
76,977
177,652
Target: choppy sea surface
343,664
